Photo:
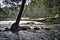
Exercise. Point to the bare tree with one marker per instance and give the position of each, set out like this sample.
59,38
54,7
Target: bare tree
15,25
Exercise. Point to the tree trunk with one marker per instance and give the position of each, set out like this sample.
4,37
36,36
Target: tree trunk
15,26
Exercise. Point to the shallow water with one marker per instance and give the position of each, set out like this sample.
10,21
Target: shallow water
30,35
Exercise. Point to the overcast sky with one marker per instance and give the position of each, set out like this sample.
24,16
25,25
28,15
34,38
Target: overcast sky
11,4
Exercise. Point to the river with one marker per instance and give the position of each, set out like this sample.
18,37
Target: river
40,34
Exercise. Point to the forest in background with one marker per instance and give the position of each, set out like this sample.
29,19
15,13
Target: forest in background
36,9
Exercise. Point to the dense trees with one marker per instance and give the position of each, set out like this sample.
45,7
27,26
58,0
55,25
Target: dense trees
52,7
37,8
34,9
8,13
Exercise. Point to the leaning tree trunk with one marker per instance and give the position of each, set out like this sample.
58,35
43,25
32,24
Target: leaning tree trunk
15,26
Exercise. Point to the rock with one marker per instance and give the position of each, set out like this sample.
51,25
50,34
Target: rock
30,23
6,29
36,28
0,30
25,28
41,27
46,28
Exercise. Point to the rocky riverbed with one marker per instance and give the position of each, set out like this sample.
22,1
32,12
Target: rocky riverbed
29,35
41,34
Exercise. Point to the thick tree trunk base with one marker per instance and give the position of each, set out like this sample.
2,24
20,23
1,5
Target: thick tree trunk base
14,28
